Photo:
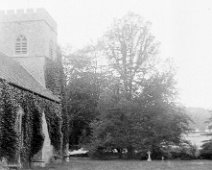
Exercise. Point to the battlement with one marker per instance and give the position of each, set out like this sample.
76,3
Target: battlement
21,15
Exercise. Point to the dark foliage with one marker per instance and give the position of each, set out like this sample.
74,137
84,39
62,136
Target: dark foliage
33,106
8,111
82,94
54,122
55,81
206,151
137,107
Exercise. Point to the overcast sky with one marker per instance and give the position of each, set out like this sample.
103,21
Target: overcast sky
184,28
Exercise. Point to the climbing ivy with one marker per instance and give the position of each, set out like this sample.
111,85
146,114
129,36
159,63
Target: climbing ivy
33,136
54,122
8,111
55,81
53,76
33,106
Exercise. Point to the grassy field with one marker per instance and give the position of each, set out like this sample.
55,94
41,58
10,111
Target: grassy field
83,164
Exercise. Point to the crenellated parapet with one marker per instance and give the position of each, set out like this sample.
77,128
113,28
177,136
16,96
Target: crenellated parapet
21,15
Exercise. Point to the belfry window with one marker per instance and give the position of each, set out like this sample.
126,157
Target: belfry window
21,45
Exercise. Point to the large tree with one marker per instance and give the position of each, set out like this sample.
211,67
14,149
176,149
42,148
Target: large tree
130,48
146,122
137,106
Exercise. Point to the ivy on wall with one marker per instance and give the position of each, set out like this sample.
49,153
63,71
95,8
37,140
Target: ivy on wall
33,106
8,111
55,81
31,126
54,122
53,76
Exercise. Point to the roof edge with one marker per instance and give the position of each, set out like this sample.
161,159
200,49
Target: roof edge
22,88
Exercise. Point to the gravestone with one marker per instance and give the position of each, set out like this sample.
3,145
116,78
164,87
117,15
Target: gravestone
149,156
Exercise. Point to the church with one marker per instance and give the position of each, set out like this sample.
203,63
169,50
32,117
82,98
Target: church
30,87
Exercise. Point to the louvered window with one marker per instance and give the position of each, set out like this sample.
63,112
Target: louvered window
21,45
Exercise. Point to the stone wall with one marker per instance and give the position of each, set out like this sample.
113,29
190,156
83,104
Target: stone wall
38,27
50,110
40,31
28,15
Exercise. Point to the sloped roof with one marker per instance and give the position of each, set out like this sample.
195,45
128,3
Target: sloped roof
14,73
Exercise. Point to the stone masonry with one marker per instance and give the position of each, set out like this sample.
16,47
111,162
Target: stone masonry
40,31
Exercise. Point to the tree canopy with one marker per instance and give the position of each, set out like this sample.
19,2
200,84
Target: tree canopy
130,105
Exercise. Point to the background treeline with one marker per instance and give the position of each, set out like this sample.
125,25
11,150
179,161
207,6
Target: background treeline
121,96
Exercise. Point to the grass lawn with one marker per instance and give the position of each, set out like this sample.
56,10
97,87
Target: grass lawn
86,164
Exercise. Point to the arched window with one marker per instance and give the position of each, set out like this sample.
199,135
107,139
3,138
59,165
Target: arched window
21,45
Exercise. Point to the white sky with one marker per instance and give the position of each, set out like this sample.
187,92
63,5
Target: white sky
184,28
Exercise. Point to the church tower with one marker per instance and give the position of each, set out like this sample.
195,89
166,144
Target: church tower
30,37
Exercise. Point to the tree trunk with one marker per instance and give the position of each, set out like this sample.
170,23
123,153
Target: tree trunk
130,152
119,153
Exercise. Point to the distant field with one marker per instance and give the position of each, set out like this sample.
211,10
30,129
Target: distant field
80,164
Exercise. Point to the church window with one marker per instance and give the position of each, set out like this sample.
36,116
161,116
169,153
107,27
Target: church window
21,45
